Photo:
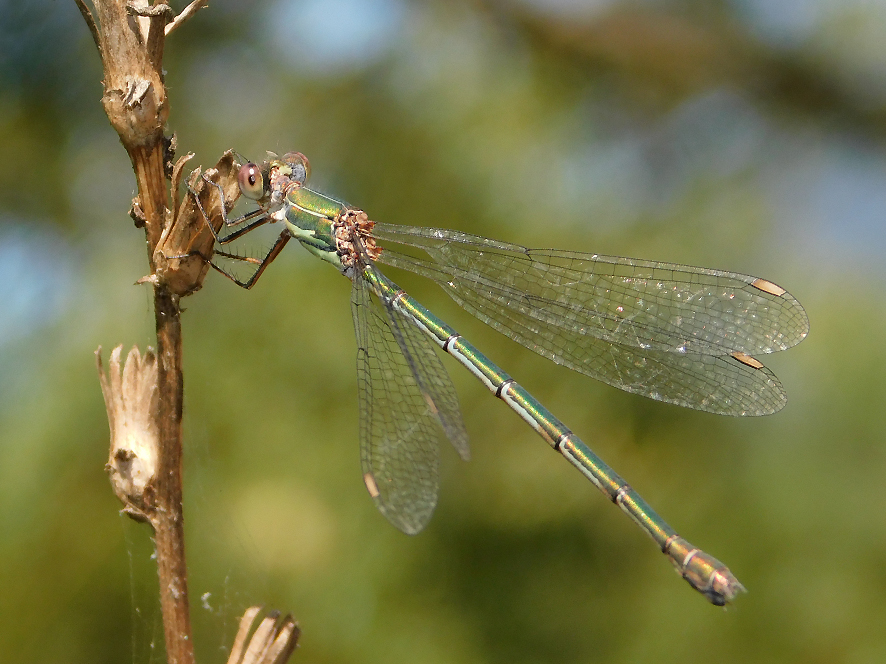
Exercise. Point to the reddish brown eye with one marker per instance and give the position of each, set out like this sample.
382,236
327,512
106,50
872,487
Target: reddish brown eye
301,167
251,182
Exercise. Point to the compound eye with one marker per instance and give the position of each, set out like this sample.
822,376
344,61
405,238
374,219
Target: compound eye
301,167
251,182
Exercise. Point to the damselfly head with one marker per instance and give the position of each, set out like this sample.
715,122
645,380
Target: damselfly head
273,176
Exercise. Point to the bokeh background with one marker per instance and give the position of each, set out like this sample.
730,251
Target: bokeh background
744,135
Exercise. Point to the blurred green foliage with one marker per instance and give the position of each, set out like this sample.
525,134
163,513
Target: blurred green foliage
740,135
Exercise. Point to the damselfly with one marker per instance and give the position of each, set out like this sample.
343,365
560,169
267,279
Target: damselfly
680,334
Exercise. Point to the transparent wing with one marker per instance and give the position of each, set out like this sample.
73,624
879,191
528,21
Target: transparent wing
669,332
407,405
428,371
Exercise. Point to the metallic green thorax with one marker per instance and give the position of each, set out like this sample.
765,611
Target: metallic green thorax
310,217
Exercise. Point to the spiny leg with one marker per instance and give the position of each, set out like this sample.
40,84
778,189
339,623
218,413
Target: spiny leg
284,237
263,216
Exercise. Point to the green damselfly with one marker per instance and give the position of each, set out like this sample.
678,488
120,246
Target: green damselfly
680,334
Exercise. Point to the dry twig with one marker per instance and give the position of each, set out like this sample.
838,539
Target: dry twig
130,38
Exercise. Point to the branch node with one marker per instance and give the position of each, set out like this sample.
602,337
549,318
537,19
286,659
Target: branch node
180,259
148,11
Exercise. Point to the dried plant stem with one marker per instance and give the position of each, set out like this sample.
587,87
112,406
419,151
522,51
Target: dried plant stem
130,38
147,476
168,519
